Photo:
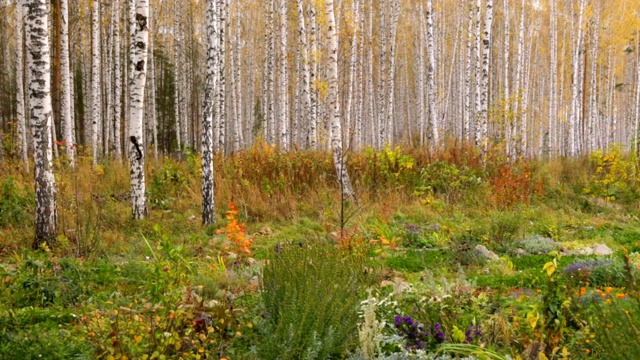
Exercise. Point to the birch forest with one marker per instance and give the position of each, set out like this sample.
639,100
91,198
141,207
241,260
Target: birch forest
532,79
190,179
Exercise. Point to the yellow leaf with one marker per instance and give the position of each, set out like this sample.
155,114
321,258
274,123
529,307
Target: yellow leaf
542,356
550,267
565,353
532,318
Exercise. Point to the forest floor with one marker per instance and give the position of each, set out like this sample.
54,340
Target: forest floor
443,256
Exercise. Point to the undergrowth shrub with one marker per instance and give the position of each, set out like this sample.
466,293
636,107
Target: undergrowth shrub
311,296
613,177
448,180
166,184
505,229
601,271
513,185
535,244
15,204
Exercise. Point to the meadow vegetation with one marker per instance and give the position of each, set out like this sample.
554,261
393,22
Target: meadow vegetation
288,272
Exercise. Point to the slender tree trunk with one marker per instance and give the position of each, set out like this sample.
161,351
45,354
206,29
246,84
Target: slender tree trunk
468,112
575,117
519,118
65,86
39,64
21,127
482,132
334,104
208,199
177,53
313,68
431,82
96,98
553,82
304,54
283,83
117,104
421,73
352,70
395,13
222,79
271,120
137,86
593,87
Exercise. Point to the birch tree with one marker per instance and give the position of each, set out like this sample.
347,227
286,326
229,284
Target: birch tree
39,67
23,149
117,104
65,87
486,60
575,85
208,199
334,104
304,59
395,14
431,84
96,101
138,58
283,85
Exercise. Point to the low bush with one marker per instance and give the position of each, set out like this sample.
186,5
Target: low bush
311,296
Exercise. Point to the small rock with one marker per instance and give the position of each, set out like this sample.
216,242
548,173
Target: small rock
602,249
192,217
266,231
570,253
486,252
587,251
521,252
386,283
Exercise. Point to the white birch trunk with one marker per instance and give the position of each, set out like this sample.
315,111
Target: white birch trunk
486,62
178,71
468,112
65,87
283,83
136,103
553,82
21,127
117,103
96,98
305,60
575,116
593,86
421,73
431,82
222,80
352,70
395,13
208,199
519,118
334,104
313,68
270,131
40,114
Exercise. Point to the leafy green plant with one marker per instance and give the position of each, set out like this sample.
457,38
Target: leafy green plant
15,204
165,185
447,180
505,228
311,296
614,176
